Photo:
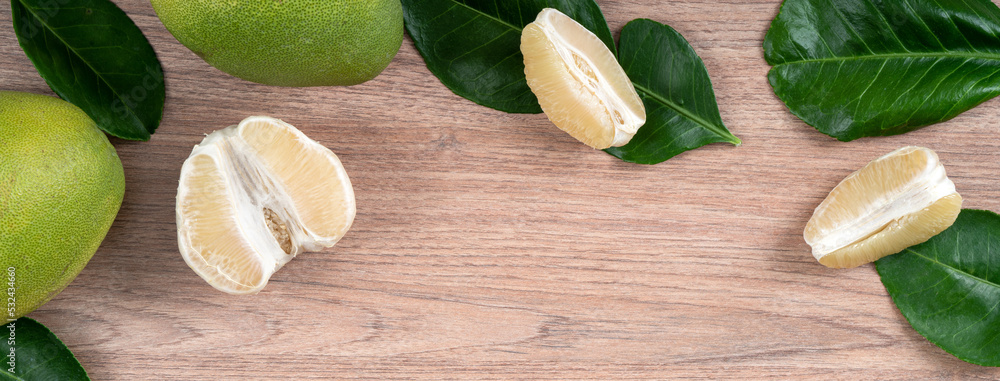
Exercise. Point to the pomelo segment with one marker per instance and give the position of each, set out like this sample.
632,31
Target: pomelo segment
579,83
899,200
253,196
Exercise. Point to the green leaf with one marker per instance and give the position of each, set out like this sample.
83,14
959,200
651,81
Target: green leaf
474,46
31,352
681,111
856,68
948,288
92,55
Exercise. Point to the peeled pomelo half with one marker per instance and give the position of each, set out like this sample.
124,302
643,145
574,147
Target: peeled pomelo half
898,200
579,83
253,196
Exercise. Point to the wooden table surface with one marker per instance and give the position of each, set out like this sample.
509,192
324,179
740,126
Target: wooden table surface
494,246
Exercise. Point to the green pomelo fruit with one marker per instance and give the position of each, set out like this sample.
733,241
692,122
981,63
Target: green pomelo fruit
61,184
289,42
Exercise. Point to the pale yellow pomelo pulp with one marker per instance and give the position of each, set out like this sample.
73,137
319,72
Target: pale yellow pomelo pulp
898,200
579,83
253,196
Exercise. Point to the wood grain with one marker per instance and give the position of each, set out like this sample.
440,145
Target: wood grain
494,246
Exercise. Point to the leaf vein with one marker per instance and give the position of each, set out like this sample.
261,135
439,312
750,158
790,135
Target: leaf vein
928,97
939,55
921,19
850,26
963,272
687,114
99,75
892,30
492,17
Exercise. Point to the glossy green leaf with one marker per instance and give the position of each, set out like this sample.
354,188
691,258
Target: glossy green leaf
681,111
856,68
474,46
92,55
31,352
948,288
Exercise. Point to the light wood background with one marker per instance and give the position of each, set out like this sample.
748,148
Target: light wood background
494,246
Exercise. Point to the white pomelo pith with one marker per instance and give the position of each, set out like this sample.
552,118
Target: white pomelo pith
253,196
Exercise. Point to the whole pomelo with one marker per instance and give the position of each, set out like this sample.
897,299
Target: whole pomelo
61,184
289,42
